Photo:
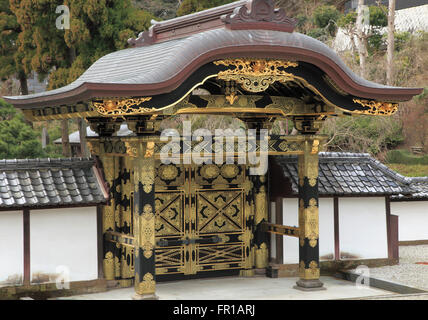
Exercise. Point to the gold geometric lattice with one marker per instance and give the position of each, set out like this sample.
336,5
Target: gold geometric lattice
167,257
220,254
169,216
219,211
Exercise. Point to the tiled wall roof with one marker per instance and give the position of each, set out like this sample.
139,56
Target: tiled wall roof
351,174
50,183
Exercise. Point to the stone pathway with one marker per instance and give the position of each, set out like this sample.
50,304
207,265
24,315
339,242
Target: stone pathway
237,288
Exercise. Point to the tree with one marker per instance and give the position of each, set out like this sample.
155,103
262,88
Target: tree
391,42
361,40
96,29
10,31
17,138
364,133
365,35
325,17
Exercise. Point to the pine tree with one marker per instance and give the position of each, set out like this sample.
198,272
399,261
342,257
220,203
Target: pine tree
10,39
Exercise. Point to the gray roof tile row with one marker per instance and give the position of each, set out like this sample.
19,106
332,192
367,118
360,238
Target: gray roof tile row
50,182
342,173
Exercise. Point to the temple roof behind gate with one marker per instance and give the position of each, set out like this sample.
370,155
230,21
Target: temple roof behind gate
172,51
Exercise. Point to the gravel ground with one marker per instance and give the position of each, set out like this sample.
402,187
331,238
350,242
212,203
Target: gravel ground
407,272
423,296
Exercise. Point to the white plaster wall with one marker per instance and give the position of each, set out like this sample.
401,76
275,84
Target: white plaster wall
412,221
64,237
362,228
326,216
11,247
291,218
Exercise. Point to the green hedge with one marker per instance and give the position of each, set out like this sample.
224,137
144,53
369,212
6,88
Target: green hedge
405,157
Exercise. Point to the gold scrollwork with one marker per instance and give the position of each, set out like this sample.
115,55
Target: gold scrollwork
147,231
94,147
118,106
231,98
256,75
131,149
146,286
312,273
262,255
312,172
229,171
210,171
168,172
150,150
376,107
147,177
315,146
108,265
311,226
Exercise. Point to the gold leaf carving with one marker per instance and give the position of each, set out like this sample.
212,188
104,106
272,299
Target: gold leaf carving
376,107
111,107
256,75
147,231
147,177
146,286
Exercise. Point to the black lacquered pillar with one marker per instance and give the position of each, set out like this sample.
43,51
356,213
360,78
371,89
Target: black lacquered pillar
144,222
309,265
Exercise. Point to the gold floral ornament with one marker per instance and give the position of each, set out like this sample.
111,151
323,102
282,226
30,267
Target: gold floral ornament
313,272
168,172
147,231
131,149
147,177
147,286
376,108
210,171
118,107
311,228
256,75
313,173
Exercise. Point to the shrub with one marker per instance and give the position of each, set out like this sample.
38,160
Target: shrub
326,17
405,157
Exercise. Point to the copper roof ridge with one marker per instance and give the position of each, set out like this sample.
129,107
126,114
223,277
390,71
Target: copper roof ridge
200,15
239,15
171,26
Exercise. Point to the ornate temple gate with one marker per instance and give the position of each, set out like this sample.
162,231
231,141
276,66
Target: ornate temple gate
246,61
208,218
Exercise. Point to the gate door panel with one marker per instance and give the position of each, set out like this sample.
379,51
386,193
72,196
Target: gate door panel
201,219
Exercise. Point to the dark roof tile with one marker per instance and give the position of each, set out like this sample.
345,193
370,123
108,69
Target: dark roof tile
350,174
49,182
